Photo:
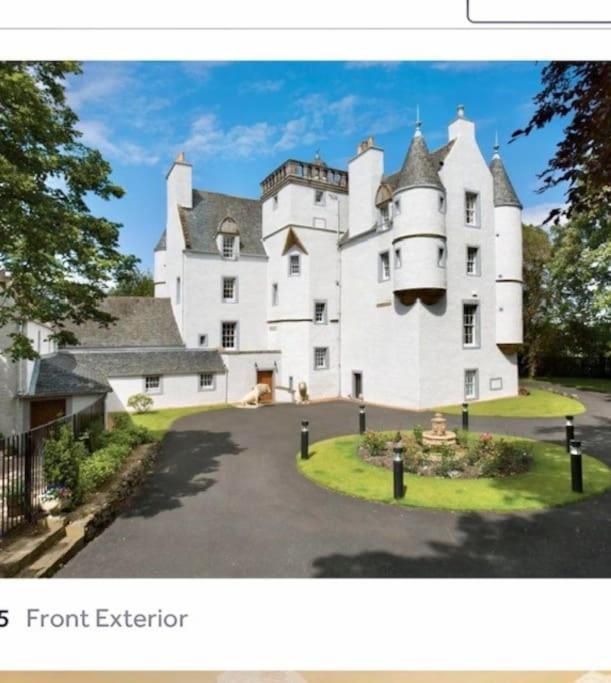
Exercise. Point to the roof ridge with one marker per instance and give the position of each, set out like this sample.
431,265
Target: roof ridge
231,196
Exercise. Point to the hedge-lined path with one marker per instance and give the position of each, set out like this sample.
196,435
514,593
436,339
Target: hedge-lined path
226,500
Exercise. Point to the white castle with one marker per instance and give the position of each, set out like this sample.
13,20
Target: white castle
401,288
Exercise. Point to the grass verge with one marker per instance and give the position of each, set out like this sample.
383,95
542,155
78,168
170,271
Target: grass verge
159,421
586,384
335,464
539,403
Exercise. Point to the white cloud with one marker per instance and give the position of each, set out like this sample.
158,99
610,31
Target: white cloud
261,677
461,67
387,66
202,71
98,82
594,677
263,87
537,213
208,137
96,134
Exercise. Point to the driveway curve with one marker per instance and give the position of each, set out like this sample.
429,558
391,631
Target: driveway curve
226,500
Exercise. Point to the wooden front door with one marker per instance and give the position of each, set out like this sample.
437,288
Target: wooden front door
266,377
42,412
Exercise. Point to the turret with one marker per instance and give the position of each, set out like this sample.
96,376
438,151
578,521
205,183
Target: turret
508,258
419,227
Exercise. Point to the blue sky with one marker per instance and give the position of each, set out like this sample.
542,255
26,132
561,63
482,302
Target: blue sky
237,121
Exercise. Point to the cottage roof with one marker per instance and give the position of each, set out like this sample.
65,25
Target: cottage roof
418,169
504,192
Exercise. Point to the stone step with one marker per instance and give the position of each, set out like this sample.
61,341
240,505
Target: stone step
55,558
27,550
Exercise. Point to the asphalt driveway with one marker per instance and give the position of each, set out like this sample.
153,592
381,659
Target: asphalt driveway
226,500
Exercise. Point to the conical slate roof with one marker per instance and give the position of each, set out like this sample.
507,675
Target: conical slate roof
418,168
504,193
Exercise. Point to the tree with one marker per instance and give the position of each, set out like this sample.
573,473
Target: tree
57,255
581,93
132,281
538,327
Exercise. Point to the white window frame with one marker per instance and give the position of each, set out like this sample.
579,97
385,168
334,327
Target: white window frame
325,357
398,260
234,298
275,202
322,198
202,386
203,336
235,335
441,205
384,271
475,222
178,295
319,222
228,252
474,394
153,390
396,206
474,325
441,256
324,320
384,211
275,294
476,261
294,258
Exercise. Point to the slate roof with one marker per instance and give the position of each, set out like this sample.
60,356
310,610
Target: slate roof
504,192
141,321
201,223
69,373
437,158
161,244
418,169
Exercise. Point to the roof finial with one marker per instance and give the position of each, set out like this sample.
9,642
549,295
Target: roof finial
180,158
496,154
317,155
461,111
418,131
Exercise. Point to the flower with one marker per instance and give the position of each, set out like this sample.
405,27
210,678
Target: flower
486,438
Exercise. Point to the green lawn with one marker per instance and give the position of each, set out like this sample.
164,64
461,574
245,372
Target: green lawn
539,403
159,421
335,464
602,385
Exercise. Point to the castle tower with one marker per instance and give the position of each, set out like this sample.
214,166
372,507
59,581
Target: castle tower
508,258
419,227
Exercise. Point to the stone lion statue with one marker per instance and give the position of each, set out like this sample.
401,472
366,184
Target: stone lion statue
253,396
302,392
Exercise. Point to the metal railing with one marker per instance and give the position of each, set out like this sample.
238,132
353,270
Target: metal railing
22,480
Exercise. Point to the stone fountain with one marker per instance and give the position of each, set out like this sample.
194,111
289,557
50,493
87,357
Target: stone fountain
438,433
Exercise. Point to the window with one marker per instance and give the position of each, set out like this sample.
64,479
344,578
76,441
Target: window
228,246
470,208
385,214
152,384
320,312
178,291
206,381
397,258
384,266
442,203
319,223
294,264
397,207
470,322
275,202
321,358
473,261
229,337
203,340
229,290
275,294
471,389
319,197
441,257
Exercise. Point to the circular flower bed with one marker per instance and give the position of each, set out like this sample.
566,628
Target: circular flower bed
337,465
486,456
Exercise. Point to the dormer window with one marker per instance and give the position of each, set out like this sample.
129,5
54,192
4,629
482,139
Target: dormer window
228,242
385,214
294,264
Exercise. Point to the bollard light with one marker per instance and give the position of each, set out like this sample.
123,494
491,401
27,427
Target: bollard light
362,419
570,432
465,417
305,438
397,469
576,467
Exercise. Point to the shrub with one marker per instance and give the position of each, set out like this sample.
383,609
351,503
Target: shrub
98,468
462,438
418,432
141,403
373,442
63,457
505,460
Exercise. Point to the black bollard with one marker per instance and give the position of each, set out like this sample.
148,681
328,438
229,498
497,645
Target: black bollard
576,469
465,417
362,420
397,469
305,439
570,432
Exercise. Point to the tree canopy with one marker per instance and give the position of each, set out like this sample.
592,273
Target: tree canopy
58,256
133,281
